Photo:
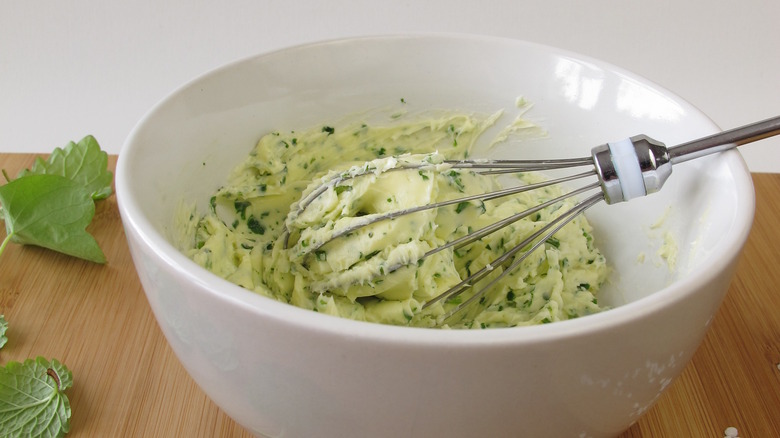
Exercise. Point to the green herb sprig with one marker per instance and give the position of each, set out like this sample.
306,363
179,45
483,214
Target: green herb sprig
32,399
51,204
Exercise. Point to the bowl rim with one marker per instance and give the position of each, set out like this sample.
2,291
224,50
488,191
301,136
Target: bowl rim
289,315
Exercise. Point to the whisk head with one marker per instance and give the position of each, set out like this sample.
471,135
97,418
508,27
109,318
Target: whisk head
308,234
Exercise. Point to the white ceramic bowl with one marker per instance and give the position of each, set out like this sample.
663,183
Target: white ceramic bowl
283,371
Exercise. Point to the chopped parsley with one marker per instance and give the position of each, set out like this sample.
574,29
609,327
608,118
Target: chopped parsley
255,226
341,189
241,207
370,255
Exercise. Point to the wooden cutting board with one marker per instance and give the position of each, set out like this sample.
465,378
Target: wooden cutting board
127,382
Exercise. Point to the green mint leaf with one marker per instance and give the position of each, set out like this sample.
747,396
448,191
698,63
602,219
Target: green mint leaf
83,162
51,211
32,402
3,328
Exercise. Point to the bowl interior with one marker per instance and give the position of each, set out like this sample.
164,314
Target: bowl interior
184,149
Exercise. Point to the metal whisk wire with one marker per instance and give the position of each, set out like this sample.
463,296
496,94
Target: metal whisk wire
534,240
456,165
630,168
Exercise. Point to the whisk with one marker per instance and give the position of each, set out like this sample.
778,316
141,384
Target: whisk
625,169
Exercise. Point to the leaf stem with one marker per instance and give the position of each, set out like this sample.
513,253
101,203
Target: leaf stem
5,242
53,375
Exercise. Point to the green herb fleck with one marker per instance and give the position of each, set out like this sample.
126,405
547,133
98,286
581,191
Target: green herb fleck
451,130
461,206
369,256
241,207
552,241
455,179
328,129
255,226
457,299
341,189
321,255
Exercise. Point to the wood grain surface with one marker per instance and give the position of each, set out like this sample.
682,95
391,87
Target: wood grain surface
127,382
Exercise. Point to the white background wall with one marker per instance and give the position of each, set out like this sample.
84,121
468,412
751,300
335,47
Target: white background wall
75,67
